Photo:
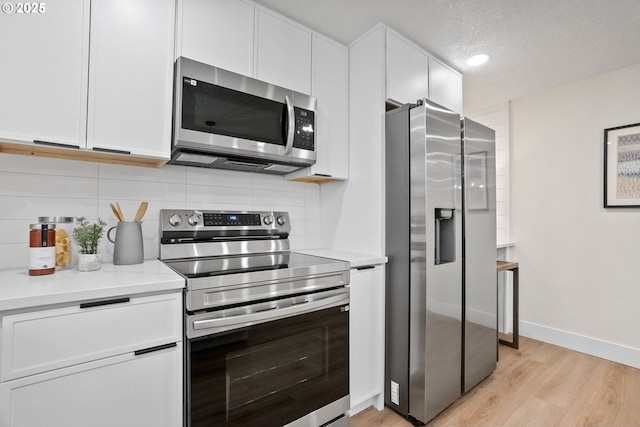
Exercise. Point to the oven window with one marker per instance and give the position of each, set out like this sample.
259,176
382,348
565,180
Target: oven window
269,374
215,109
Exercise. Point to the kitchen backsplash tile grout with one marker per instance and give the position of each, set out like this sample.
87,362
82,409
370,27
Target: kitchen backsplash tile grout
32,186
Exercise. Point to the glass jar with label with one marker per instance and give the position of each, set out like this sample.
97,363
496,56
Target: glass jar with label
42,249
64,231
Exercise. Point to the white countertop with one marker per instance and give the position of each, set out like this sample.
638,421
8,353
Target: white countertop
18,290
354,259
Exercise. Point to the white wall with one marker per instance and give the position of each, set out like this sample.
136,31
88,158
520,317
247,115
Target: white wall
579,262
31,187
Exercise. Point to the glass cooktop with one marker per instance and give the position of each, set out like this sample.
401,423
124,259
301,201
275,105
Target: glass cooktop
218,266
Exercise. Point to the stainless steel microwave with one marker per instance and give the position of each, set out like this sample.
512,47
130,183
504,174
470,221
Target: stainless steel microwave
229,121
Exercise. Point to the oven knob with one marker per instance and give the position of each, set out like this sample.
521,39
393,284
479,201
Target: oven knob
280,220
175,220
268,220
193,219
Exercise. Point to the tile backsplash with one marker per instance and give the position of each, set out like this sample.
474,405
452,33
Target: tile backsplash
34,186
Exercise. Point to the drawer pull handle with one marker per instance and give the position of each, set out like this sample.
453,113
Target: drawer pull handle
366,267
156,348
110,150
105,302
55,144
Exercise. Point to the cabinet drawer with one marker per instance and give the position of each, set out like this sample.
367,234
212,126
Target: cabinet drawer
40,341
123,391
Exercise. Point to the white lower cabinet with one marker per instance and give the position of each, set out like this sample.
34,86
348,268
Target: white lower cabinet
106,363
366,338
126,390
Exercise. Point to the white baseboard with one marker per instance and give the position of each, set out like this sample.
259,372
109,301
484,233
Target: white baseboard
375,399
356,409
605,350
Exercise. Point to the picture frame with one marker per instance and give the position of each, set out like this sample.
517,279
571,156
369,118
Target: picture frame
622,166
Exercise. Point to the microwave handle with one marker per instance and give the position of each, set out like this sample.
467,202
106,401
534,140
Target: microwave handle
291,120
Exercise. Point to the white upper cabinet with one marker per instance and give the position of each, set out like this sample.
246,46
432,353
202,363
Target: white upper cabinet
92,74
130,76
282,51
413,74
330,77
407,70
252,40
246,38
217,32
445,86
44,74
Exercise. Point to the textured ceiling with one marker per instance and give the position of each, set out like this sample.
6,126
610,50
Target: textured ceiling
534,44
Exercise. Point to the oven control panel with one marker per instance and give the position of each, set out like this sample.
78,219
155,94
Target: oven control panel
216,218
226,222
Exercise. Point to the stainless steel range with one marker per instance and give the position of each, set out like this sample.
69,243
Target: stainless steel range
266,329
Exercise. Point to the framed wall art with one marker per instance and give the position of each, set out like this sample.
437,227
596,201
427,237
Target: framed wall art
622,166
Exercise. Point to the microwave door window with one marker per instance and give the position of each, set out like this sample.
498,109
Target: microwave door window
222,111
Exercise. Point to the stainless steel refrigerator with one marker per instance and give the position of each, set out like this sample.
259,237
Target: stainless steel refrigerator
440,238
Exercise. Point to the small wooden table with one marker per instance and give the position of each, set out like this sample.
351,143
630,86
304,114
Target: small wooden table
513,268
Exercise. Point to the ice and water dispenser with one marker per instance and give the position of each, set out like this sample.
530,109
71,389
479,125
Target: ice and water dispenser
445,233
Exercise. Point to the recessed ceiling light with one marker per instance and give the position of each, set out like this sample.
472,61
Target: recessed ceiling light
478,59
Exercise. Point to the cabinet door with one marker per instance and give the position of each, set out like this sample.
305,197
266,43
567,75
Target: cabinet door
330,78
44,73
217,32
125,391
130,76
445,86
283,51
407,70
366,337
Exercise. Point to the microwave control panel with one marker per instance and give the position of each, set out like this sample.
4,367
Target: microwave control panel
305,123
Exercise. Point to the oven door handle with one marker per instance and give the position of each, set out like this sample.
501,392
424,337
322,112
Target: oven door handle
240,317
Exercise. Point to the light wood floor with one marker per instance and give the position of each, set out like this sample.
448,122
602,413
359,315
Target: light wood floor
538,385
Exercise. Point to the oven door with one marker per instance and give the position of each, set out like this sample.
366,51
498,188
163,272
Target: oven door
270,364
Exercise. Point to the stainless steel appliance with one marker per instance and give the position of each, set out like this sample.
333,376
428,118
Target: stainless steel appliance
441,302
229,121
480,314
266,329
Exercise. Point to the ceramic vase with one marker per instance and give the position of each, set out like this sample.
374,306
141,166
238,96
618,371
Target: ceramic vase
89,262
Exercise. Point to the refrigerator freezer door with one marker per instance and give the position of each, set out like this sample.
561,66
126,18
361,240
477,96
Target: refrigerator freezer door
480,351
435,354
